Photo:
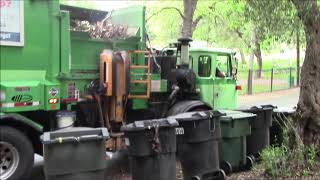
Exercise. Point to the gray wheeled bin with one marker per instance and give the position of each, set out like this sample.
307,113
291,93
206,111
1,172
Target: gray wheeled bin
260,129
75,154
235,126
152,147
197,144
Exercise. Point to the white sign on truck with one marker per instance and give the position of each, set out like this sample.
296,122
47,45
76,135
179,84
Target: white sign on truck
11,23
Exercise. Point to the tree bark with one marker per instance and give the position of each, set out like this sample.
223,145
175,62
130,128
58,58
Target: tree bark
309,100
257,53
243,58
188,25
298,56
250,72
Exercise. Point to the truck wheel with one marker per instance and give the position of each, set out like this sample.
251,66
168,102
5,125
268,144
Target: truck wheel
16,154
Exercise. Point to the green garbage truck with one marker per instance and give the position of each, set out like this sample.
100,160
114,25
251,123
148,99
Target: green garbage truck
54,75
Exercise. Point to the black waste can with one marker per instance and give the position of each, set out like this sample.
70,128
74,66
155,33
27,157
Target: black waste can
280,118
75,154
152,147
260,129
197,144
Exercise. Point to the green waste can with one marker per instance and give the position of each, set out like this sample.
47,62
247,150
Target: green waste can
197,144
152,149
75,153
235,126
260,129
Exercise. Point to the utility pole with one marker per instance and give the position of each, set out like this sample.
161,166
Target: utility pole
250,73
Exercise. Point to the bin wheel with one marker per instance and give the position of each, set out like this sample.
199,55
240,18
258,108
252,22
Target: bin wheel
195,178
252,157
221,175
16,154
249,162
226,167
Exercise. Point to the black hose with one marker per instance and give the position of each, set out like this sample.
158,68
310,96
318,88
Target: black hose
97,98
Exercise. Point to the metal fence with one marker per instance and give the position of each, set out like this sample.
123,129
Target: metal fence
270,80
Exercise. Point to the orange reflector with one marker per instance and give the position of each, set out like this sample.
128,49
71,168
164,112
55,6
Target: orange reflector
53,101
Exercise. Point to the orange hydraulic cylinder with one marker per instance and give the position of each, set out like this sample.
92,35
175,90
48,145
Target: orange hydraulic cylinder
106,71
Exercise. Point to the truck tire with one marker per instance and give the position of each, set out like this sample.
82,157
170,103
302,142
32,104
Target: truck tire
16,154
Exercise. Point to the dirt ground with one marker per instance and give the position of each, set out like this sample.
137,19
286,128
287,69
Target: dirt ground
257,173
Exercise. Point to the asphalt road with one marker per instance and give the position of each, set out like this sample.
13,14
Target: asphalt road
282,99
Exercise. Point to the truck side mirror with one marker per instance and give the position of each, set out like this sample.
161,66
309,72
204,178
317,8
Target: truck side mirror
234,70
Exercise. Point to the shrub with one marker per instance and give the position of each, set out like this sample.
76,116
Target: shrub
292,157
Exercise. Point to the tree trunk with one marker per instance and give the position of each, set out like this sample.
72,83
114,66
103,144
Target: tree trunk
188,23
298,56
257,53
243,58
309,101
250,72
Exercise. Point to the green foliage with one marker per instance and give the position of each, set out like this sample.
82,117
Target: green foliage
292,158
273,18
163,26
227,23
223,22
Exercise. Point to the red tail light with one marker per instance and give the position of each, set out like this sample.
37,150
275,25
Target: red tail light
238,87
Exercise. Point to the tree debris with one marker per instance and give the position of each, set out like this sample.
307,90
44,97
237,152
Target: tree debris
102,29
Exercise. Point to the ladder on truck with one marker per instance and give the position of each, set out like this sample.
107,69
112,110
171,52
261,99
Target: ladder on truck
146,81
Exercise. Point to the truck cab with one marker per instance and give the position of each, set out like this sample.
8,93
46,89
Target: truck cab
215,69
216,74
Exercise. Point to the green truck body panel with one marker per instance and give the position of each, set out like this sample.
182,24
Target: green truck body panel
133,17
54,57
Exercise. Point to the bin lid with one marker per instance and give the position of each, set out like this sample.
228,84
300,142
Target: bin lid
258,108
285,110
149,124
66,113
235,115
74,134
194,116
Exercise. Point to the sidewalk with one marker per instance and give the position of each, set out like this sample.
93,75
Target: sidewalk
282,99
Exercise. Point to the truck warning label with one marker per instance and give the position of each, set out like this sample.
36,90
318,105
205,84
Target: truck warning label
53,92
11,23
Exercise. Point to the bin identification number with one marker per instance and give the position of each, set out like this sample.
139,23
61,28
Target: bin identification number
179,131
126,141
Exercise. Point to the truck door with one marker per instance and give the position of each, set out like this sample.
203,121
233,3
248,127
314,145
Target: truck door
224,88
202,65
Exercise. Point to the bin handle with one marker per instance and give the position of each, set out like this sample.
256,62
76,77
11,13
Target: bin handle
78,139
212,126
